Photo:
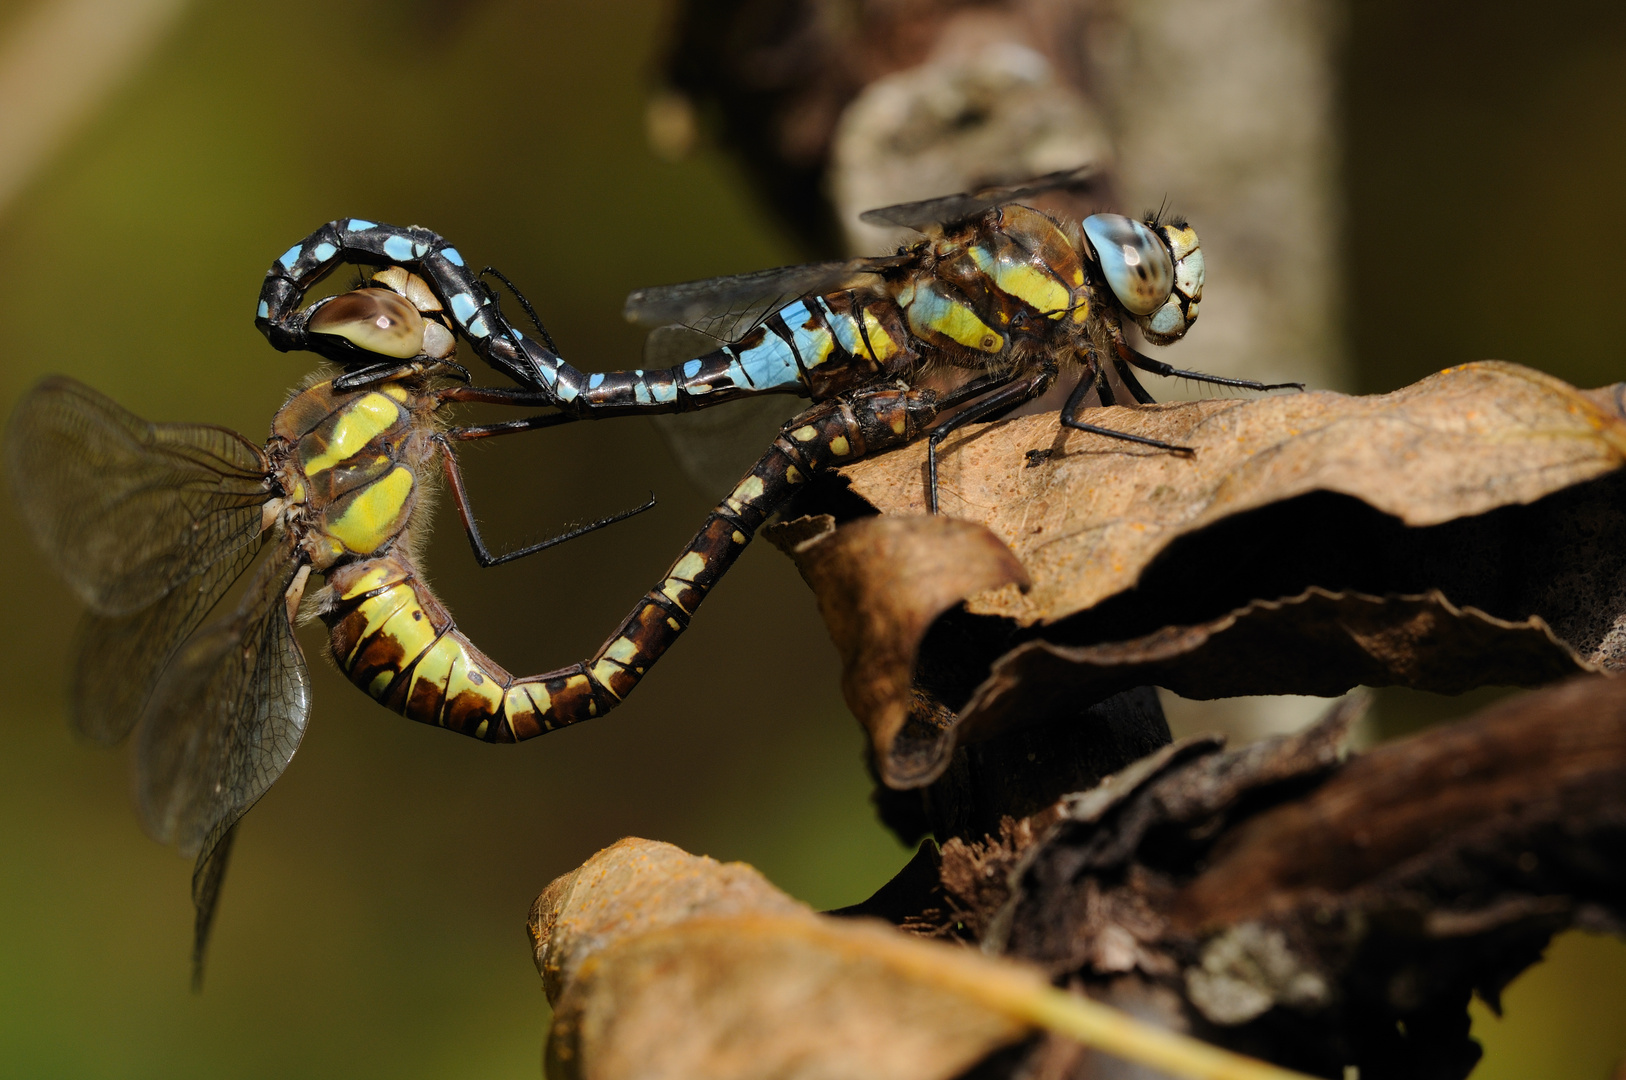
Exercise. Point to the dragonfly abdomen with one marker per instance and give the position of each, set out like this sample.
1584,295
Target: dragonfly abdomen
393,639
814,346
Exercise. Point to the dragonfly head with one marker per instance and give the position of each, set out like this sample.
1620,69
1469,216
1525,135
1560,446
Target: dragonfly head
385,319
1155,269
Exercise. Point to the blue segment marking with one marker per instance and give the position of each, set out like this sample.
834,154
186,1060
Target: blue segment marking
641,394
264,310
324,251
418,249
398,248
452,255
795,314
357,224
291,256
814,345
477,328
464,307
768,365
595,380
664,391
691,369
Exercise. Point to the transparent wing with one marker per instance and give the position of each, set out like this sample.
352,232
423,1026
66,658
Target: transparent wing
716,446
119,658
949,209
741,300
221,726
127,510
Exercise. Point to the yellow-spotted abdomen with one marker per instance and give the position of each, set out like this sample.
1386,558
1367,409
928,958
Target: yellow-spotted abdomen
393,639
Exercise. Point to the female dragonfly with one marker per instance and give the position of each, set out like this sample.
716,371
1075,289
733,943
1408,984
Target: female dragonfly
152,523
1006,294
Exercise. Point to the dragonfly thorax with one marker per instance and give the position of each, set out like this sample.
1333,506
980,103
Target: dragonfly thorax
347,463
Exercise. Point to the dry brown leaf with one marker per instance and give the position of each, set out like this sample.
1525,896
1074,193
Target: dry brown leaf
1465,531
662,964
881,583
1319,643
1087,522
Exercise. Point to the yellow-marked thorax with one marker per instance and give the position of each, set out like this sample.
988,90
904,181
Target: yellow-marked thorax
341,458
1008,275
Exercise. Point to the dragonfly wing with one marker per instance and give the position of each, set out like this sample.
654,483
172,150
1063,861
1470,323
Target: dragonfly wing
702,304
715,447
118,658
126,509
221,726
949,209
207,878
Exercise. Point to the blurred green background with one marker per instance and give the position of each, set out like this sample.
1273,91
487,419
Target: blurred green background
373,922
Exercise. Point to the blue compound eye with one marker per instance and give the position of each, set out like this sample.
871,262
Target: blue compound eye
1136,263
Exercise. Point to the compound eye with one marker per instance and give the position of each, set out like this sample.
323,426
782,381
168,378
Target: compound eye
1135,261
377,320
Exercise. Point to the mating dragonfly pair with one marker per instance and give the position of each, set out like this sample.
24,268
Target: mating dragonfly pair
152,523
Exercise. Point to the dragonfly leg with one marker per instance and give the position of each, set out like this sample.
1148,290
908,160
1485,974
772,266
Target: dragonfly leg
1126,375
536,320
373,374
465,510
1008,396
1158,367
1069,419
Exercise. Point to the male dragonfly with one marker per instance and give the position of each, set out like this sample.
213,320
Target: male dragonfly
1002,292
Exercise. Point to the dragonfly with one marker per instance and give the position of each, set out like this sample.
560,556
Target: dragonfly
1003,294
151,524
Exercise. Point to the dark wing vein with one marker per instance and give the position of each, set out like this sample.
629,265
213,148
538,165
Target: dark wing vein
119,658
951,209
221,726
127,510
739,300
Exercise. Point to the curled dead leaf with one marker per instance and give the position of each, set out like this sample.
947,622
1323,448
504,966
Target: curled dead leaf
1318,644
1088,522
1464,531
881,583
661,964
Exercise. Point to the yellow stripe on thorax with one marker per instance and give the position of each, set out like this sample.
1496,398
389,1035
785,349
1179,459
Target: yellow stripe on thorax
375,513
1021,278
357,425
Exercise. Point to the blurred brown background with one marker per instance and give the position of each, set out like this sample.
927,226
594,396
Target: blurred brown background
373,921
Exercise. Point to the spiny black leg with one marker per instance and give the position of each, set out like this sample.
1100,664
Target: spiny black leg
1006,397
1158,367
518,397
547,338
1135,388
482,554
388,371
1069,419
471,432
